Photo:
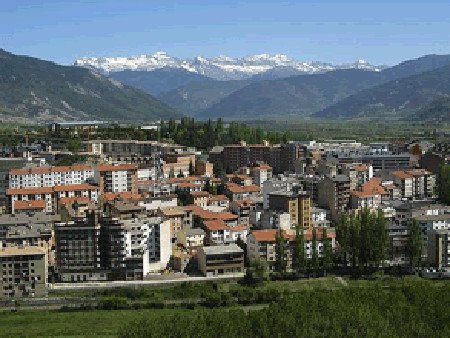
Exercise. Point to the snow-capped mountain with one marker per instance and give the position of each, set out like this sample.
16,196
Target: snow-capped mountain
221,67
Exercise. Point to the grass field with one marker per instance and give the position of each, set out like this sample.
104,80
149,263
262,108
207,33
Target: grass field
107,322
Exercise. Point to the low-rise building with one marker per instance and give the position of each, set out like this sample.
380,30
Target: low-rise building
221,260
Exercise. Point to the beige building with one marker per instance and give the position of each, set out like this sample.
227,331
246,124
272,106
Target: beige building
220,260
23,272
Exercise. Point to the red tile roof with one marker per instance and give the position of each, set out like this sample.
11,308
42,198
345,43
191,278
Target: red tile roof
27,205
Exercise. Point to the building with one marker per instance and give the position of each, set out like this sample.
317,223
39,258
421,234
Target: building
23,272
221,260
358,173
134,247
77,250
438,248
117,179
217,232
260,173
179,218
415,183
334,194
191,239
298,205
204,168
278,184
75,128
39,177
130,150
237,192
48,199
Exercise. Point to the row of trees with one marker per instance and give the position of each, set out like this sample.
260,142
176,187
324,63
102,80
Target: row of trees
300,262
363,240
207,134
364,244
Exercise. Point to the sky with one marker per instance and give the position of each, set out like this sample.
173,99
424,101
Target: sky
381,32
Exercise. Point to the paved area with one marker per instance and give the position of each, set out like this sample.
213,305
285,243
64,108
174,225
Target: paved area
118,284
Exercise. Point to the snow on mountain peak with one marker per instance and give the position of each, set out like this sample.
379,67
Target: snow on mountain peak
221,67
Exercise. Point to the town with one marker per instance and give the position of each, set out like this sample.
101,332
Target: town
147,210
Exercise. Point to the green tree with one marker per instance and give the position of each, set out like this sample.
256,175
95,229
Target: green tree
327,256
280,253
299,259
414,244
74,145
256,273
444,183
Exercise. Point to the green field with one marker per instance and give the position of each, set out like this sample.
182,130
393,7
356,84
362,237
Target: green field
406,299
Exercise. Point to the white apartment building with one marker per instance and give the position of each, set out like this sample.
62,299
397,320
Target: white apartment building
116,179
38,177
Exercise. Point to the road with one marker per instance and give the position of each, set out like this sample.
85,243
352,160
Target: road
121,284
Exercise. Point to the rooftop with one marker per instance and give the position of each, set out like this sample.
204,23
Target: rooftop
222,249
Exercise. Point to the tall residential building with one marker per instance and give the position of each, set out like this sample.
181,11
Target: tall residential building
117,180
415,183
23,272
334,194
77,250
297,204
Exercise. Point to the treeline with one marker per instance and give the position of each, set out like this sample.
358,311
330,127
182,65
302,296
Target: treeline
206,134
364,243
413,310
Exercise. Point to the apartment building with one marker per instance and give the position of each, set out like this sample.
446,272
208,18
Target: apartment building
48,199
39,177
23,272
237,192
131,149
358,174
221,260
117,179
297,204
334,194
134,247
415,183
260,173
77,250
282,183
217,232
179,218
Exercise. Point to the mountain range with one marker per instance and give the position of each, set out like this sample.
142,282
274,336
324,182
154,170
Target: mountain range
221,67
322,91
33,89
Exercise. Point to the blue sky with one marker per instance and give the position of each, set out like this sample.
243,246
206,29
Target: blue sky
382,32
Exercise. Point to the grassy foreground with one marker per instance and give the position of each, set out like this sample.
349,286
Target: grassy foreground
321,307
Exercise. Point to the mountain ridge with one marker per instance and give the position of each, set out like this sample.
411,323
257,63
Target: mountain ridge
34,89
220,67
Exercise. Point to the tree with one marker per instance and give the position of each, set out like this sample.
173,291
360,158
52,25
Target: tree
327,256
299,259
257,272
444,183
191,168
314,253
280,253
414,245
74,145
